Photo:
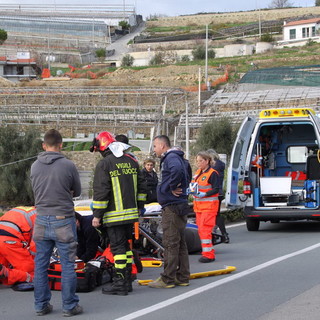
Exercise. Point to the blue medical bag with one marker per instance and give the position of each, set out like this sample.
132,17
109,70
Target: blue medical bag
310,187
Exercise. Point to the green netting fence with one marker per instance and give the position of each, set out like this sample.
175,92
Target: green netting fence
285,76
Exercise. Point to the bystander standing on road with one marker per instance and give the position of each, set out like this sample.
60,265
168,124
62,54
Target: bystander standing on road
206,203
172,196
55,181
151,179
219,166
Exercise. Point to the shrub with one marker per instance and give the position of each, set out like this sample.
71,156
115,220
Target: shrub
267,38
3,36
199,53
157,59
216,134
185,58
101,54
127,61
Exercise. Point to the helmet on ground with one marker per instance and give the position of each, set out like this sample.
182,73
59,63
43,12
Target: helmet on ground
102,141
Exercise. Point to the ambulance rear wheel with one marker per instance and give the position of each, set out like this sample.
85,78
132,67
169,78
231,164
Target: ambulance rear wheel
252,224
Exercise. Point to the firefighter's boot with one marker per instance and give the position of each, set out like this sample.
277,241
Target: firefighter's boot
118,286
129,277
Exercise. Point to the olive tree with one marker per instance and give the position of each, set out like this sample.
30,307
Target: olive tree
18,150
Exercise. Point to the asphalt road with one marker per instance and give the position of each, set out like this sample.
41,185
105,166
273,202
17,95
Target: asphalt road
277,277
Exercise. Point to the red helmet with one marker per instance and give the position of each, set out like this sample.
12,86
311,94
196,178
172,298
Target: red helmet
102,141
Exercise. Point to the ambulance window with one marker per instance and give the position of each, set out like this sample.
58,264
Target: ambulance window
297,154
237,154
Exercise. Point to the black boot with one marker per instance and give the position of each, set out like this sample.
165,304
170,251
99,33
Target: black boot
226,238
118,286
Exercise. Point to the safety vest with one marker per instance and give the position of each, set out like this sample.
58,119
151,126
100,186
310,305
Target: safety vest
205,203
18,222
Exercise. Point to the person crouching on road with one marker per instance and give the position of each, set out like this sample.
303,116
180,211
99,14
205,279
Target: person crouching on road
17,249
206,203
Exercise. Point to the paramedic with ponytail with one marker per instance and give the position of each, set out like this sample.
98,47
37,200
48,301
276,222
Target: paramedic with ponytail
206,203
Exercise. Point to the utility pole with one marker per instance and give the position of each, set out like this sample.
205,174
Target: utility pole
206,69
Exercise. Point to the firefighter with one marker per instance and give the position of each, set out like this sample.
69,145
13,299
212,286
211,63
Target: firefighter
17,249
118,194
206,203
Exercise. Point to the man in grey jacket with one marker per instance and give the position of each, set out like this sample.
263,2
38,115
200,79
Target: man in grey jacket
55,181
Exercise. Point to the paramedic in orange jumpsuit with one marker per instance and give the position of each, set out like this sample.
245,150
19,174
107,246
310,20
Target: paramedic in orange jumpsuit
206,203
17,249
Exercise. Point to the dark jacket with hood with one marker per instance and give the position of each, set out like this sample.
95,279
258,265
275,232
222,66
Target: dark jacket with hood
173,175
55,181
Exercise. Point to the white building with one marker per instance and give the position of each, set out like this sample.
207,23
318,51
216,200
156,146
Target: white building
301,30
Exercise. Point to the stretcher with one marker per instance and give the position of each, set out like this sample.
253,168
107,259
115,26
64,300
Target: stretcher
226,270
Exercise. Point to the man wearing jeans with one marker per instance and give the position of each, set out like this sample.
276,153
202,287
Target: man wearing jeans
172,196
55,181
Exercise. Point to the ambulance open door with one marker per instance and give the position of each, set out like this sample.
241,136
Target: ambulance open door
236,168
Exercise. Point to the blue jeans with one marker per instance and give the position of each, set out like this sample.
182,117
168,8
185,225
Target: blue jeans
50,232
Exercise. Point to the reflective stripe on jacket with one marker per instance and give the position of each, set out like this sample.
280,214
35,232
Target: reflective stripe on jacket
205,203
118,190
19,222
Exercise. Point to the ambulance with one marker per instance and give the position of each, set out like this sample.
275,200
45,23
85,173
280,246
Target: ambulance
274,169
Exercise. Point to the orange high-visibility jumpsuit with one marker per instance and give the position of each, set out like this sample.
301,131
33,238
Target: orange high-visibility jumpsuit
206,210
16,246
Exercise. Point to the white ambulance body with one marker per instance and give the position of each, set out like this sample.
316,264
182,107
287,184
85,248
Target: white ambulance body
276,162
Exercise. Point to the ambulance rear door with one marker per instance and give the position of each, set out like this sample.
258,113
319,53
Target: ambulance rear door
236,170
316,123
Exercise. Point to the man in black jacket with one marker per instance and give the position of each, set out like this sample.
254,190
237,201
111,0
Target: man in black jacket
88,238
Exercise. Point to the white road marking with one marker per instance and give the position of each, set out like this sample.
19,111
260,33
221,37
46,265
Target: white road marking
235,225
215,284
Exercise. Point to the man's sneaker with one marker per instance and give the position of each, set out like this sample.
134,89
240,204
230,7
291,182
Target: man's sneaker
160,284
180,283
73,312
47,309
206,260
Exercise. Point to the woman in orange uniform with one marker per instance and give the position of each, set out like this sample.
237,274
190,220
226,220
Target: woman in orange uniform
206,203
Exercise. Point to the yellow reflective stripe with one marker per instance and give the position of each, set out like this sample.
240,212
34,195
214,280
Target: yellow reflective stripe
132,217
129,253
120,261
117,193
142,196
120,257
135,185
100,204
129,260
125,211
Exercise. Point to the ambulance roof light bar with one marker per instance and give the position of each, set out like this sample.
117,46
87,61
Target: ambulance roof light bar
278,113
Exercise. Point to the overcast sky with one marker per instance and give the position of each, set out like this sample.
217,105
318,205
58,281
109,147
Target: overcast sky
173,7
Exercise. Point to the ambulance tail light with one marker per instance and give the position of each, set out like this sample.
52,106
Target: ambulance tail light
246,187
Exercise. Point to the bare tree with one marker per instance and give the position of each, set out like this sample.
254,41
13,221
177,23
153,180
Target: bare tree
277,4
317,3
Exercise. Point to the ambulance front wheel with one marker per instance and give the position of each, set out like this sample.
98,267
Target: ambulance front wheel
252,224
